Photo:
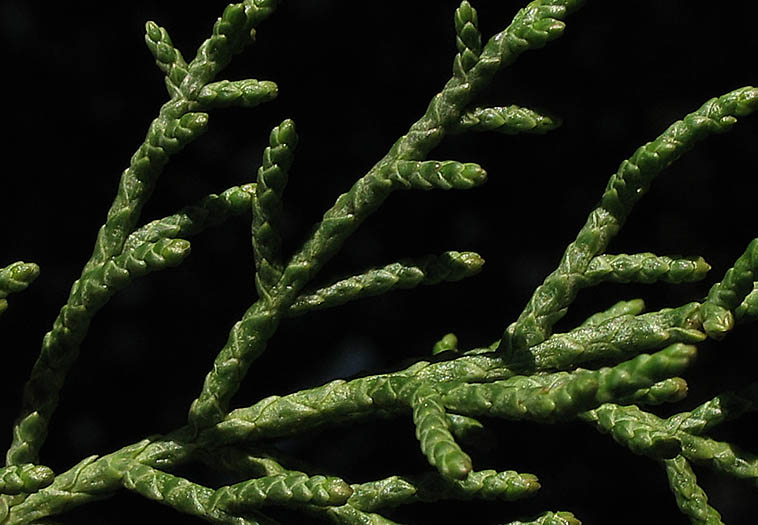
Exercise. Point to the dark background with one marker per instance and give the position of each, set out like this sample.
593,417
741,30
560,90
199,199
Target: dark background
79,89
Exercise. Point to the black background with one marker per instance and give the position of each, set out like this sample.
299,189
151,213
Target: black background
79,89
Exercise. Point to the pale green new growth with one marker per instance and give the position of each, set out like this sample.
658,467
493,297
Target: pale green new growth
604,371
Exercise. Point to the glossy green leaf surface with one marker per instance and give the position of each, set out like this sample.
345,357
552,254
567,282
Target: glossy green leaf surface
606,370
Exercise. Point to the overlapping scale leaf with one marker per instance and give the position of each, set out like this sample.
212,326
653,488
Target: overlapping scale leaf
468,39
432,174
267,205
645,268
242,93
167,57
433,433
292,487
509,120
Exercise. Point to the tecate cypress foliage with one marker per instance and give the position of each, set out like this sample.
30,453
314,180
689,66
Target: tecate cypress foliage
616,368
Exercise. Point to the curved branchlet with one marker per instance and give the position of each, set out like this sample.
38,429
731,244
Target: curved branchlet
509,120
633,307
613,340
89,480
209,211
666,391
450,266
231,33
724,407
645,268
485,484
391,492
550,300
178,123
315,406
728,295
267,206
167,57
433,433
248,337
290,487
167,135
182,495
531,28
60,345
478,382
15,278
240,93
468,40
549,518
690,498
562,395
246,342
17,479
382,494
633,431
639,425
644,371
344,400
720,456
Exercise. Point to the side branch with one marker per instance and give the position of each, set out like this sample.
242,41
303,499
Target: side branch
551,299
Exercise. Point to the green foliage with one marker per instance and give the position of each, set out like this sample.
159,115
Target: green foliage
606,371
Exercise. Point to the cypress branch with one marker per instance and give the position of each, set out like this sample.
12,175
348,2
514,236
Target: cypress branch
550,300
